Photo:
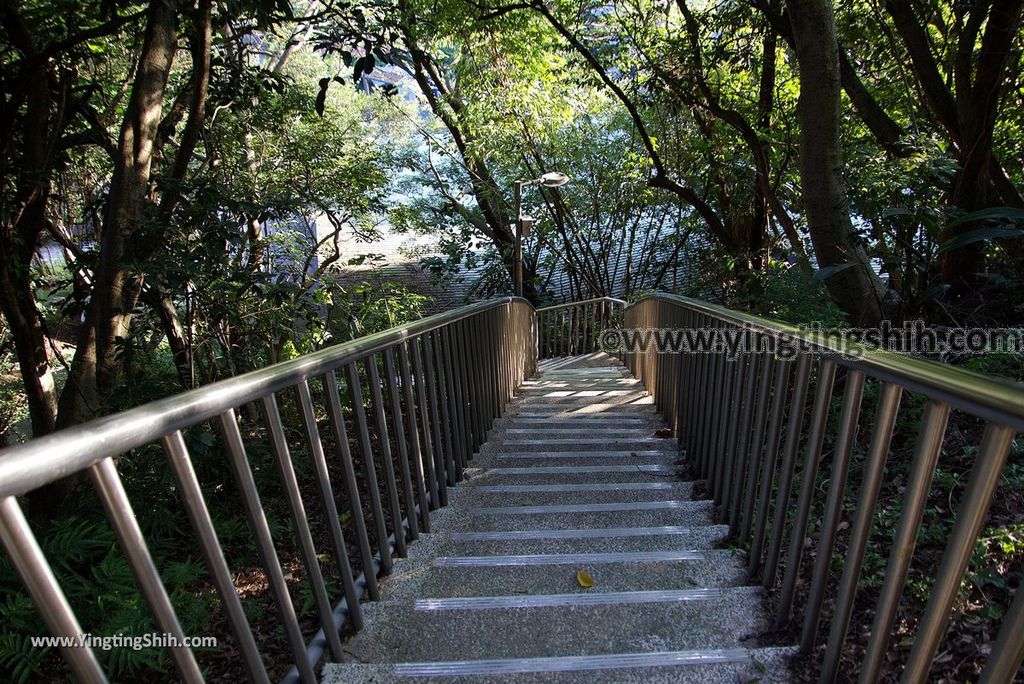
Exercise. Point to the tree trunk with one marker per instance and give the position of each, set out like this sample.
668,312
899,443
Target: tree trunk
116,289
25,217
17,301
973,188
857,289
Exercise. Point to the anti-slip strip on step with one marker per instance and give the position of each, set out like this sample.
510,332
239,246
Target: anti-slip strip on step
591,508
612,598
652,468
613,661
582,422
568,558
563,412
618,430
584,418
626,453
583,384
593,487
582,441
587,533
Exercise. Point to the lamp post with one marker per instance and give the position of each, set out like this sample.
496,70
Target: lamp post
552,179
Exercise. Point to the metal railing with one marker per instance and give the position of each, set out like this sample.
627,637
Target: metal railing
745,422
438,383
575,328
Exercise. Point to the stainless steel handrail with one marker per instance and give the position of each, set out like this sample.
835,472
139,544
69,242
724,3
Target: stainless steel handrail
581,302
729,414
575,327
446,378
985,396
33,464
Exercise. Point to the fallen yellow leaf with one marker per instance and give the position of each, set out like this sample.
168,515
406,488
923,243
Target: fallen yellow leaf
584,579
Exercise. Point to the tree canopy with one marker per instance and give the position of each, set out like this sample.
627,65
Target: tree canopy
873,150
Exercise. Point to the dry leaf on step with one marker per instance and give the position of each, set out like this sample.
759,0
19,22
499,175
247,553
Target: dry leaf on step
584,579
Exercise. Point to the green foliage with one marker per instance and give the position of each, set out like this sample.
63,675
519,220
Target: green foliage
99,584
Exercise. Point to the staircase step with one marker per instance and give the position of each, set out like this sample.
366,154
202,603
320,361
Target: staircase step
531,386
583,422
606,429
577,459
419,576
548,373
607,398
590,390
602,492
527,541
611,598
584,629
687,513
598,444
569,412
562,472
602,507
550,370
695,666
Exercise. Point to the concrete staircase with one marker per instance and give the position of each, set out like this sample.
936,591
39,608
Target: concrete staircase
576,477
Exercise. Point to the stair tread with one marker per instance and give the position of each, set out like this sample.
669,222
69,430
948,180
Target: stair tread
580,630
698,666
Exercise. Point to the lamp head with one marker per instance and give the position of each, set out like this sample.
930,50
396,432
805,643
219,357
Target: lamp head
553,179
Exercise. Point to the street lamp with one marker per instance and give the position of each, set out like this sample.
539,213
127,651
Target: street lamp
524,224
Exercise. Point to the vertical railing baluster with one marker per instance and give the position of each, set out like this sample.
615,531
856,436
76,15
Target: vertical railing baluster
926,456
565,327
573,331
443,386
465,361
588,318
1007,653
722,367
815,442
494,364
348,471
213,554
710,413
740,371
753,446
416,456
435,396
970,518
428,442
265,544
323,481
386,461
718,438
394,382
478,386
693,423
774,389
846,435
300,525
34,570
544,328
787,468
366,448
458,414
860,530
742,448
110,489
